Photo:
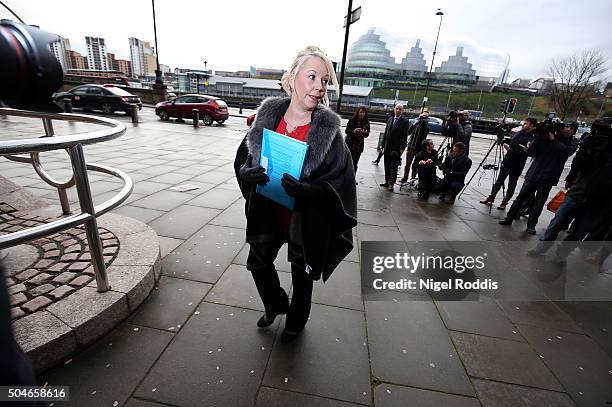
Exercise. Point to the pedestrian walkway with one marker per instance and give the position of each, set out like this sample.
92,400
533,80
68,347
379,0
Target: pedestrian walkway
194,341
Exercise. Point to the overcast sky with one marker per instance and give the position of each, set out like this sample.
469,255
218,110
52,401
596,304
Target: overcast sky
237,34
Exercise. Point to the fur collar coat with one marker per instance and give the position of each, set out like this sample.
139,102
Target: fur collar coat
323,229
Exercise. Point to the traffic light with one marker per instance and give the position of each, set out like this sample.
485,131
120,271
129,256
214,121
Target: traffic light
504,106
511,105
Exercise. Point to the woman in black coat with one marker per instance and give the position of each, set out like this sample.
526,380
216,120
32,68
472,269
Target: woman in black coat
319,228
357,129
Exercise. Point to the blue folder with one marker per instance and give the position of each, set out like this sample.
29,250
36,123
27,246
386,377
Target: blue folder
280,154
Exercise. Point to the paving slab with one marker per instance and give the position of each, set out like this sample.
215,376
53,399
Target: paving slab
503,360
593,318
163,200
184,221
216,359
269,397
236,287
232,217
310,364
168,244
388,395
375,218
581,366
397,332
342,289
110,370
142,214
170,304
133,402
483,317
378,233
206,255
495,394
539,313
412,233
217,198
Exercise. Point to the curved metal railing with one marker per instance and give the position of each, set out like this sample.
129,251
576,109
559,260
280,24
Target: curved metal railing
14,150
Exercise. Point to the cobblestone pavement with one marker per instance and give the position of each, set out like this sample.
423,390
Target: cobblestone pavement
194,341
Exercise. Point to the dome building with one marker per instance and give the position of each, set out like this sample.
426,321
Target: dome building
369,61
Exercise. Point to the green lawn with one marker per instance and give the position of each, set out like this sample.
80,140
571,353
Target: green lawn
490,103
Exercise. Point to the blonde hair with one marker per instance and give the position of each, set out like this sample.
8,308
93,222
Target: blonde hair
302,56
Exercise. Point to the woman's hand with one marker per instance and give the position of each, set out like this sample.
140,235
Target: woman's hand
253,175
295,188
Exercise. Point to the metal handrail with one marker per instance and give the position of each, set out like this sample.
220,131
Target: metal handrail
74,146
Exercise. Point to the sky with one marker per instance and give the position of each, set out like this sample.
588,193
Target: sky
238,34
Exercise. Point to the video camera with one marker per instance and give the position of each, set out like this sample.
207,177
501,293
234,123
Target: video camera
29,72
502,131
550,124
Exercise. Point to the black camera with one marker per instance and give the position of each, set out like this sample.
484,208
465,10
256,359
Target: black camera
29,72
550,124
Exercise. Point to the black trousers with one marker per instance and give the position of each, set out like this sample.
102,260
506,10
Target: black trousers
448,186
410,153
392,161
355,156
541,195
504,173
261,265
427,179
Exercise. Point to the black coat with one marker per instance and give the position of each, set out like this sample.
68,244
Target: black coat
323,226
423,155
396,137
354,141
549,158
455,169
516,156
418,133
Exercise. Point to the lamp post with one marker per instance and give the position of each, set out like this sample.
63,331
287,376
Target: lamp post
450,92
438,13
206,76
351,17
531,104
158,73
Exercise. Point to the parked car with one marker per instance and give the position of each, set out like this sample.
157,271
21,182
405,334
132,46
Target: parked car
108,98
211,108
435,124
251,119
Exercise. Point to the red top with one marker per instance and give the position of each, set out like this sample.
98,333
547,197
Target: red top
282,215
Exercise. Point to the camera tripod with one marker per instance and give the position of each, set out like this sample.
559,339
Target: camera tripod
497,159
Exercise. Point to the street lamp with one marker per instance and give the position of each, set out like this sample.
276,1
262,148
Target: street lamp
351,17
158,73
206,76
450,92
438,13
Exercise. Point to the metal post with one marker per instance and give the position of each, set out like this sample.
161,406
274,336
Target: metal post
346,37
603,103
158,74
77,157
240,111
67,105
48,127
195,116
415,91
134,112
438,13
531,104
450,92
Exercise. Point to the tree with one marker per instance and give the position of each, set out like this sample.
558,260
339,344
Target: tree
574,80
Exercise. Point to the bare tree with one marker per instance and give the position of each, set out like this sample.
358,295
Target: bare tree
574,79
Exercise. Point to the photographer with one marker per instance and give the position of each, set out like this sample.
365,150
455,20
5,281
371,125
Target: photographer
464,130
513,163
418,133
455,169
588,199
450,128
550,150
425,162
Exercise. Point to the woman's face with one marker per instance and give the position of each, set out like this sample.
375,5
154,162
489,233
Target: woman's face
361,114
310,83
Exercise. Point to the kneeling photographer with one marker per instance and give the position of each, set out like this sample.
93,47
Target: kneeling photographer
425,166
554,143
455,169
513,163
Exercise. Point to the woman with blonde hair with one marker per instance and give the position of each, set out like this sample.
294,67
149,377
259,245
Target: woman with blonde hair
319,229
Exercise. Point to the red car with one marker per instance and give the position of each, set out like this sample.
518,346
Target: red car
211,108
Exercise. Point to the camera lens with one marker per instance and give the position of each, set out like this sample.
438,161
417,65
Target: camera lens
29,72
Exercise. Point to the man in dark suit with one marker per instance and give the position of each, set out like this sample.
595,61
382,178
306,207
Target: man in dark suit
455,168
394,144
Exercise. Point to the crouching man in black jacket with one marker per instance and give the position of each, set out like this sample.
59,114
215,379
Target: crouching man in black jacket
425,162
549,157
455,169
